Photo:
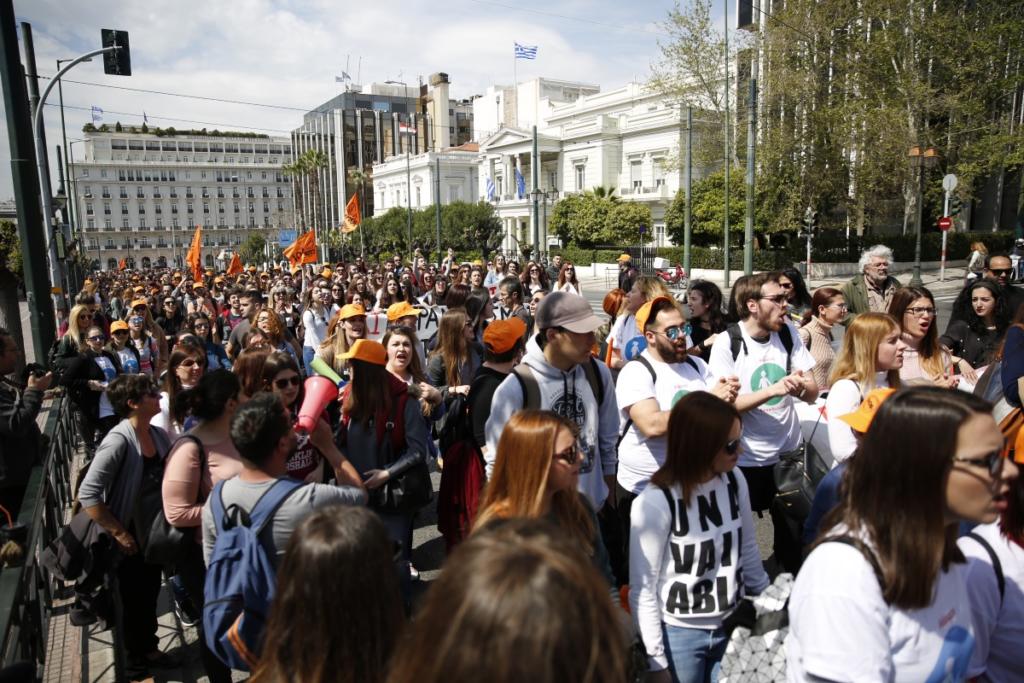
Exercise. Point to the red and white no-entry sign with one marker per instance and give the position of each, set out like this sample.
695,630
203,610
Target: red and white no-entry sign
945,223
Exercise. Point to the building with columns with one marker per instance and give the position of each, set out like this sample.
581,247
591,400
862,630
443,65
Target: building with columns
628,140
138,196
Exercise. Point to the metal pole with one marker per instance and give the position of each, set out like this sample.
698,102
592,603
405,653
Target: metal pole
437,205
915,280
72,210
728,157
748,232
535,163
408,186
942,258
26,186
687,225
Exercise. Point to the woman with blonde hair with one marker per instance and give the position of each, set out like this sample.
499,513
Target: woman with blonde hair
344,329
645,289
536,471
870,358
976,262
73,342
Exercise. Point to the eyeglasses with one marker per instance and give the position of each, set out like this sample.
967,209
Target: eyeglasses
571,455
777,299
1001,271
993,462
841,307
188,363
786,285
921,311
672,333
169,303
286,382
97,338
732,447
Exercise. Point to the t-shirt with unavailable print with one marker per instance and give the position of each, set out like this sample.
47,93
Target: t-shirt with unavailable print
688,569
773,427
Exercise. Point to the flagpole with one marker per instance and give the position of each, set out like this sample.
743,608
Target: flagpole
515,87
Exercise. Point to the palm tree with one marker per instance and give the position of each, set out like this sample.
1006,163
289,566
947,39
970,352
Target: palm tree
602,192
294,170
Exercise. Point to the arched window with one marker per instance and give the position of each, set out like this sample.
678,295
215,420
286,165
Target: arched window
161,262
209,260
111,264
145,262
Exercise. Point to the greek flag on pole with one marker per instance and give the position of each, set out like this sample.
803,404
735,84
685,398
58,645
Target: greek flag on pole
490,189
520,184
526,51
97,115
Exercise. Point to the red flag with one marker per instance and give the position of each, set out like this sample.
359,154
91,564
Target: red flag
194,256
122,264
352,217
235,267
302,250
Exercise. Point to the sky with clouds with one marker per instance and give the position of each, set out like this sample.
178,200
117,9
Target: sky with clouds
286,53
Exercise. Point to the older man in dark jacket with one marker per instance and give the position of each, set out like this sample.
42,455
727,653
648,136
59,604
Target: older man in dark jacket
19,434
873,288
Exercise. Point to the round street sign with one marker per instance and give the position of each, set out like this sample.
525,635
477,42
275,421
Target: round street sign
945,223
949,182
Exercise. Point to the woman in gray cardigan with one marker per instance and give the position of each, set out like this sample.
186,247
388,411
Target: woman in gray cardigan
109,493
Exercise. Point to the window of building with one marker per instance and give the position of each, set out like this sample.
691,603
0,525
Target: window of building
143,241
659,172
125,223
206,207
91,224
85,173
106,208
636,174
418,197
88,209
581,176
159,223
108,224
103,173
110,243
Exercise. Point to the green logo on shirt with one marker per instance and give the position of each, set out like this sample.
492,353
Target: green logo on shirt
679,395
764,376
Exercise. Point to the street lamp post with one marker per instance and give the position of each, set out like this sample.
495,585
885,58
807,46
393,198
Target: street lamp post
409,129
921,159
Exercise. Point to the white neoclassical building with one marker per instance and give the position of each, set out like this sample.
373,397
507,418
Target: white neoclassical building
628,140
418,178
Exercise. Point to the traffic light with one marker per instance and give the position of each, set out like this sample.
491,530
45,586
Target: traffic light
810,221
116,62
955,205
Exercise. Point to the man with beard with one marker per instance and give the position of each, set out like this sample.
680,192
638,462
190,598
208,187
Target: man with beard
772,370
873,289
647,388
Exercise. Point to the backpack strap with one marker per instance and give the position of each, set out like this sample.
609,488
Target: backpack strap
868,554
736,342
593,374
997,566
266,507
654,379
528,384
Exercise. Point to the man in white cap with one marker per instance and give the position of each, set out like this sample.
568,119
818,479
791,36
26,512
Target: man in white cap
565,378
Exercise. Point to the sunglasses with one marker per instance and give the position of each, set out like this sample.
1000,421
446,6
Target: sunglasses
188,363
97,338
672,333
571,455
992,462
1001,271
120,333
201,326
732,447
169,303
84,316
136,320
286,382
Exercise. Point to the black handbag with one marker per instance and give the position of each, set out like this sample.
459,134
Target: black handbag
162,542
797,475
410,490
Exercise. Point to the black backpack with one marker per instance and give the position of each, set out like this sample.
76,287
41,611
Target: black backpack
531,389
654,378
736,342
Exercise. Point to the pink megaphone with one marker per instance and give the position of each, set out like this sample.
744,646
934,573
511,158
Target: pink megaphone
319,392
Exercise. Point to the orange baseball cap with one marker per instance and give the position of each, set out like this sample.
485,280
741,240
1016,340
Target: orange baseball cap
400,310
645,312
139,302
502,335
351,311
860,419
118,325
369,351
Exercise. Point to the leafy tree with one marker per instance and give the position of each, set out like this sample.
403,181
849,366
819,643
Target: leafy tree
252,249
708,211
598,217
10,279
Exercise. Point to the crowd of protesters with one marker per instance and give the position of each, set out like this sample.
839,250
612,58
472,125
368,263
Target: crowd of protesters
600,479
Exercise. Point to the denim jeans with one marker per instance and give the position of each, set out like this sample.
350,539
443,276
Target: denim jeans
694,654
308,354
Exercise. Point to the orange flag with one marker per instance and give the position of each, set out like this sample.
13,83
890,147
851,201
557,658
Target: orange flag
235,267
194,257
302,250
122,264
352,217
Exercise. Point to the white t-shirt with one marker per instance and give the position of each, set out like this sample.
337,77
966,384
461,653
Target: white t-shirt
623,331
690,574
640,456
998,621
314,327
844,397
773,427
841,629
109,373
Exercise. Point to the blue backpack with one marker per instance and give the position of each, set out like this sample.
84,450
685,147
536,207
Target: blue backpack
240,577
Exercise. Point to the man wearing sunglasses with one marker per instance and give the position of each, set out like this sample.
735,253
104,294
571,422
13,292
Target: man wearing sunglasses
647,388
772,374
999,268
